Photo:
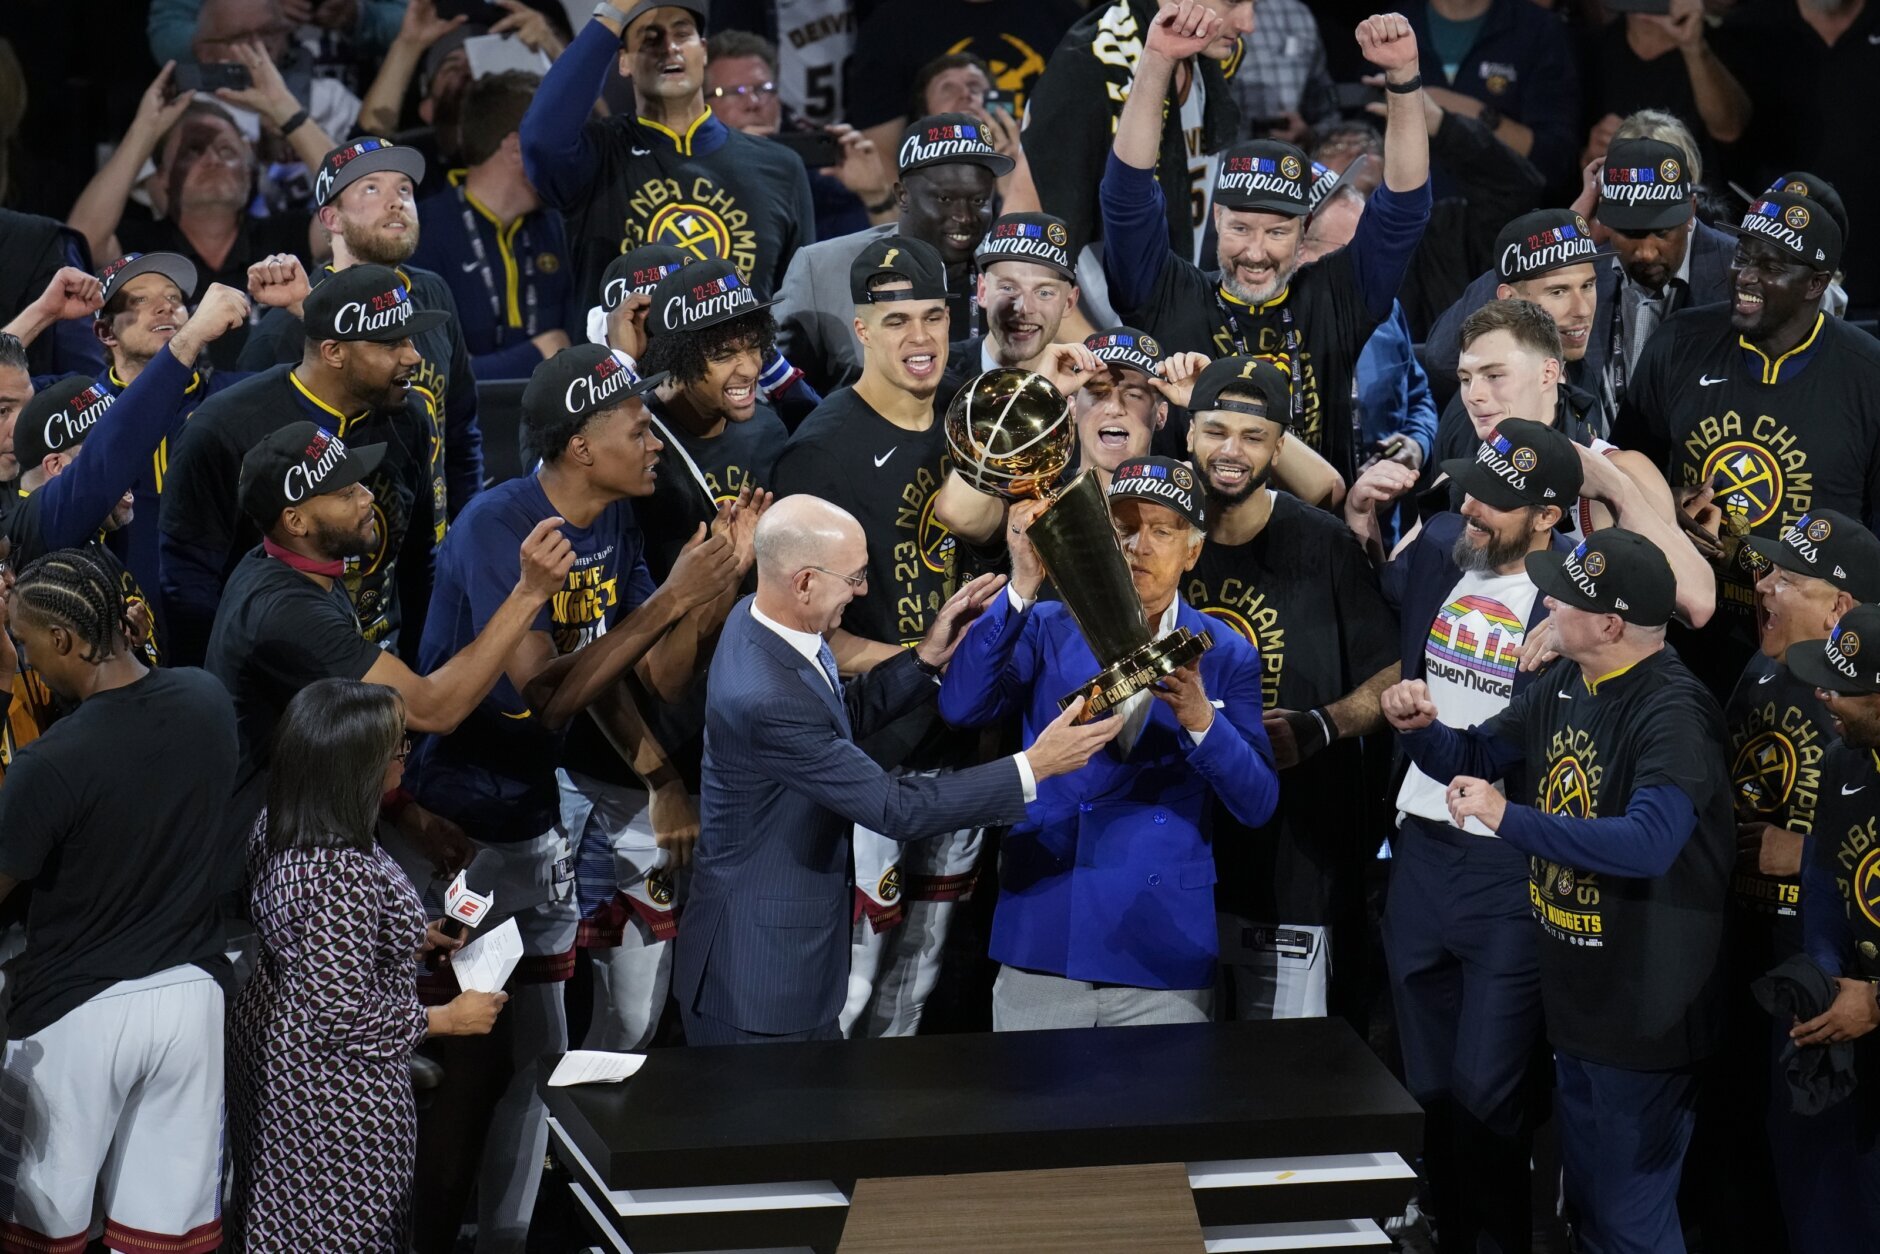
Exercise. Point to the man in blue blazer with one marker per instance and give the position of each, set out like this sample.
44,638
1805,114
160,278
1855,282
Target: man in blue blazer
764,954
1106,889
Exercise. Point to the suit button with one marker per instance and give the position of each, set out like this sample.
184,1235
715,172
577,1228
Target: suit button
1085,807
1161,817
1155,879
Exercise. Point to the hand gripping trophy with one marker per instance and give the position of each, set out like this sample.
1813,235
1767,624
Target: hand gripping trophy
1011,434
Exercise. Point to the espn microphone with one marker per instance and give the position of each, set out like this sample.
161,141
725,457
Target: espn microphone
471,894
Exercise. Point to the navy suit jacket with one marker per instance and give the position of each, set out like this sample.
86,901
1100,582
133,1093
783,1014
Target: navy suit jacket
765,944
1111,876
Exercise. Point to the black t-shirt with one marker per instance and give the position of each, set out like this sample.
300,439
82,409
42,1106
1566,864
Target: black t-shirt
200,507
117,816
902,36
1619,82
1778,734
1698,403
139,231
1628,966
277,631
1303,593
889,478
1317,328
1846,844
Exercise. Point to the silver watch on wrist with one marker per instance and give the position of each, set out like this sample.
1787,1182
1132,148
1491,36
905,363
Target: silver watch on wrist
604,9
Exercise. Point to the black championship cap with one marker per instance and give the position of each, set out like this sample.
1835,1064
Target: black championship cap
1244,374
701,295
1802,228
57,419
697,8
1614,571
1817,189
1643,186
1521,463
1827,544
898,257
1848,660
366,303
945,137
581,380
349,163
638,270
1126,346
1160,481
1264,176
175,267
1324,179
1544,240
299,461
1037,237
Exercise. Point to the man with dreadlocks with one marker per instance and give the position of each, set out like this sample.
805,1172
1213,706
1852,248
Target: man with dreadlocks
116,816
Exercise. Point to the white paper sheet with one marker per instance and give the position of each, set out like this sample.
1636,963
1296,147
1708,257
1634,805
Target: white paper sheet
492,54
484,965
591,1066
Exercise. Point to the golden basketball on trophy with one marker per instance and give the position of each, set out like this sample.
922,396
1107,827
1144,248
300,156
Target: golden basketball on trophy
1011,434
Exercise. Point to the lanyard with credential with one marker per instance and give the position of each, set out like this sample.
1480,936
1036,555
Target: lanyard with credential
525,265
1289,349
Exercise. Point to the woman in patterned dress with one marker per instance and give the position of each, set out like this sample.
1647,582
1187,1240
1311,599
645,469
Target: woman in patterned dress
320,1105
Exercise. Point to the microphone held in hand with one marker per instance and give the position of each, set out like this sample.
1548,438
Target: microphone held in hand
468,900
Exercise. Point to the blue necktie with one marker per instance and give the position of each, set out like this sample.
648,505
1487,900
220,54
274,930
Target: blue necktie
827,657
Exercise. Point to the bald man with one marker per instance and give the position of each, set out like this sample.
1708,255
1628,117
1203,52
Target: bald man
765,951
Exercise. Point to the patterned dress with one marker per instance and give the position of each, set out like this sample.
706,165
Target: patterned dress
320,1106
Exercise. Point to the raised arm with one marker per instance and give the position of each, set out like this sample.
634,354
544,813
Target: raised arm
418,29
558,151
100,207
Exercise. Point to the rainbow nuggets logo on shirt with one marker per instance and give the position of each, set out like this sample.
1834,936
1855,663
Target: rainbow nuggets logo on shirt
1476,642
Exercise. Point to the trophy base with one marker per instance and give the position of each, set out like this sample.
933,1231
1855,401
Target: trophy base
1121,680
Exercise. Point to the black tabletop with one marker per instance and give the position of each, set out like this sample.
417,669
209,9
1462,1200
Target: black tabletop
845,1110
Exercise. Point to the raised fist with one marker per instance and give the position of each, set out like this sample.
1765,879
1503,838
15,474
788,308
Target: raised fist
1388,43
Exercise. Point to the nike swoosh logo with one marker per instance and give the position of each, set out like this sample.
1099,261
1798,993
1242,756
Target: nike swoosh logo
883,459
1765,679
1848,792
642,152
469,266
1566,696
1704,380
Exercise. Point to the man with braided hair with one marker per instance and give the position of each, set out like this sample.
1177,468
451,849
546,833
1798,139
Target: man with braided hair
116,816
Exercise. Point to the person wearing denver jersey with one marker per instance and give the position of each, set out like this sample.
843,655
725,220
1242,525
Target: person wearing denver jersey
1106,903
1290,580
1316,318
1759,411
495,773
112,1077
709,335
1629,838
1461,951
1841,921
67,500
878,450
673,174
355,377
1763,1159
365,198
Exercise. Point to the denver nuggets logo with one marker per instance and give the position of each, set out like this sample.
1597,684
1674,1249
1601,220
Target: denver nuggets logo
1764,772
1866,886
1497,83
1182,478
1594,565
1012,71
1580,223
1567,791
1796,217
547,263
1669,171
1795,187
890,886
1524,460
1236,621
693,229
1289,166
936,542
1057,234
659,888
1818,530
1564,882
1749,482
1848,643
1149,347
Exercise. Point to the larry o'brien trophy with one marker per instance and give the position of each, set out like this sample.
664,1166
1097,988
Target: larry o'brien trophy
1011,434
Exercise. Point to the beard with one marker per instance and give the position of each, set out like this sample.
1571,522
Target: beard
1221,500
337,544
1257,295
370,246
1494,555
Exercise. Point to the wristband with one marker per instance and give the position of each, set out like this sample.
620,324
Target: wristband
618,14
295,122
926,668
1413,83
777,376
1311,730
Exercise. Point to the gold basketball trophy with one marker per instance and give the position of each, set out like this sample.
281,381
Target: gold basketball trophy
1011,435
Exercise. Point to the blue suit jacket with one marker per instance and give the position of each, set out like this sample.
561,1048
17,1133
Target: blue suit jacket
1110,878
765,944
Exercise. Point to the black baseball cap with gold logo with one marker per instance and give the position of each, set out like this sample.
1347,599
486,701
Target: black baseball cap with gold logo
1244,374
898,257
638,270
1521,463
1126,346
1614,571
1038,237
948,137
1264,176
1848,660
1644,185
1545,240
1826,544
1801,228
701,295
1160,481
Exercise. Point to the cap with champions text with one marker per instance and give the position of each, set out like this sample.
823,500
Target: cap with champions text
370,303
1521,463
1826,544
1614,571
701,295
1802,228
1644,185
947,137
58,418
1547,239
1035,237
1159,481
1126,346
1265,176
637,271
296,462
1848,661
581,380
351,162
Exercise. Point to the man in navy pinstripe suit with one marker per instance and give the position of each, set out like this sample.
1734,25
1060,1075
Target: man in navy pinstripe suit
764,954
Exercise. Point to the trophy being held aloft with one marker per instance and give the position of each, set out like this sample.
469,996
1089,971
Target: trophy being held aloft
1011,434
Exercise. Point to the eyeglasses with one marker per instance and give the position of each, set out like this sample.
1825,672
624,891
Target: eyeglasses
749,89
404,748
854,581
